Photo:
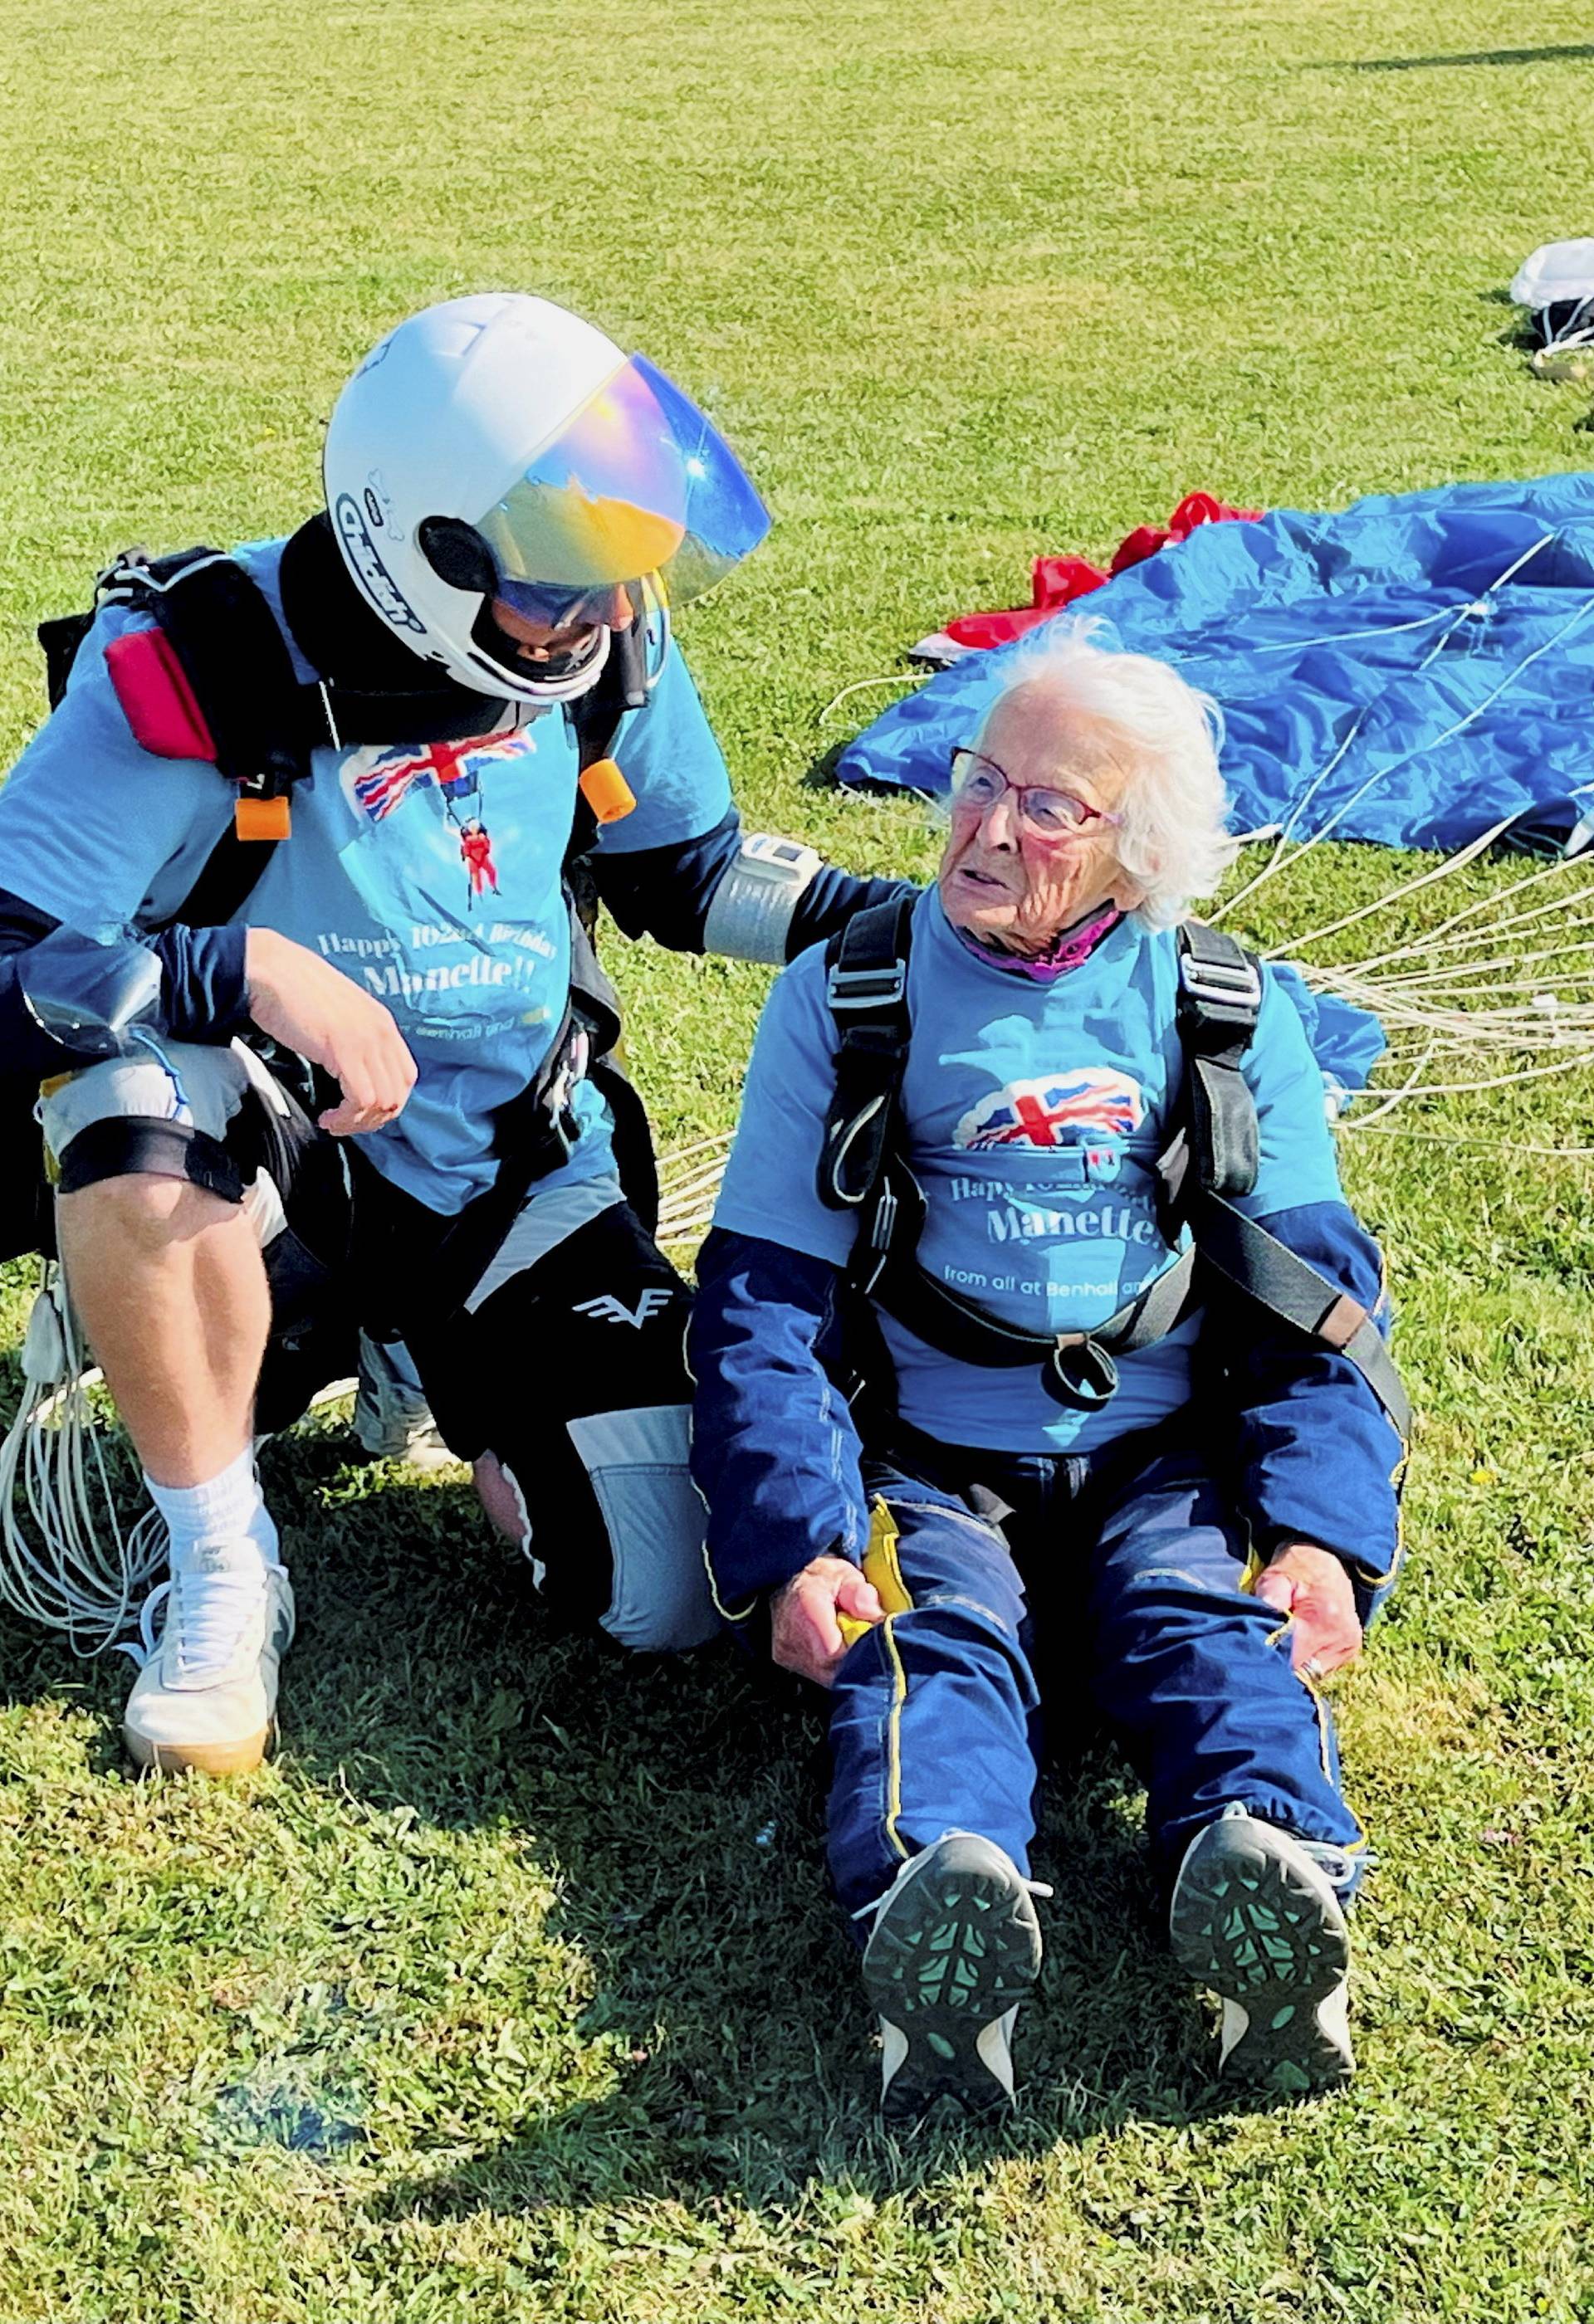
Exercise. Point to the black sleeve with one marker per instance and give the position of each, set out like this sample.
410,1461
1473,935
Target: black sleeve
665,892
203,993
829,902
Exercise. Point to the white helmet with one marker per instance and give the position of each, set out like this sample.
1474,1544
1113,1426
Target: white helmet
499,446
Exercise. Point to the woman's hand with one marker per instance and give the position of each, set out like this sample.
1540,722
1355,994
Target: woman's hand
804,1634
1312,1586
312,1008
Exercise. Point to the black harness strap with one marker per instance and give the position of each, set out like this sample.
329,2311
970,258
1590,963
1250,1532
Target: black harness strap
267,721
1219,998
121,1144
1267,1272
866,988
1212,1156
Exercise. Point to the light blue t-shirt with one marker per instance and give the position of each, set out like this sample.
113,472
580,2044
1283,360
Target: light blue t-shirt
1035,1115
474,964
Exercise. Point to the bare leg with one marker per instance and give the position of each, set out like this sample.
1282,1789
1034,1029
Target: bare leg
170,1285
170,1288
500,1497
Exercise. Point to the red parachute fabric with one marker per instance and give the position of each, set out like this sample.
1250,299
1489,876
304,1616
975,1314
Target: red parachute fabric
1057,581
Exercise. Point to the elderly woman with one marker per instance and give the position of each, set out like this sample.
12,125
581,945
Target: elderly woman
967,1413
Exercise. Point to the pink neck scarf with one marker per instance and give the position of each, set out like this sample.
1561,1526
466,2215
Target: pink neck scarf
1067,950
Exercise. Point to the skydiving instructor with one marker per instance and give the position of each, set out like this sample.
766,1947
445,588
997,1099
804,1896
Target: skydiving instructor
286,912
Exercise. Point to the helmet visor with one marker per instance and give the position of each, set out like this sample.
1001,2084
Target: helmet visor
638,481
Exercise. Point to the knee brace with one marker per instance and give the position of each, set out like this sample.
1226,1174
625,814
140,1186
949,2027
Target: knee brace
128,1145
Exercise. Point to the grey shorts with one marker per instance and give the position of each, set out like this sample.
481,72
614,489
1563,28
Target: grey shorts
199,1083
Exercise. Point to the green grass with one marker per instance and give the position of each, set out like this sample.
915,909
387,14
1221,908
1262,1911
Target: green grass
483,2000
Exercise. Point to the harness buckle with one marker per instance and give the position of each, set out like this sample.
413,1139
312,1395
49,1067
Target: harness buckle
866,988
835,1172
882,1226
1221,983
1080,1374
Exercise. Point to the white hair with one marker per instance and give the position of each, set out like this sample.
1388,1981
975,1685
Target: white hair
1174,842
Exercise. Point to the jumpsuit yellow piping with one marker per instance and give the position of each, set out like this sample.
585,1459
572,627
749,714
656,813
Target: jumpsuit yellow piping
893,1762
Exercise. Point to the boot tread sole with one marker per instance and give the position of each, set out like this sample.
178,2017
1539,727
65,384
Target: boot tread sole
958,1950
1252,1927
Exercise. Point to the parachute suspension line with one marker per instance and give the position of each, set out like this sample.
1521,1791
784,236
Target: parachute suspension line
1463,855
1395,1097
1279,858
1460,954
1487,1145
1357,637
87,1569
1442,938
914,678
1548,1024
1474,608
1460,976
688,1182
1559,1065
1418,750
1453,617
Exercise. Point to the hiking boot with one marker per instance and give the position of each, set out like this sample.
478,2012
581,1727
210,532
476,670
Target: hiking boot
1256,1920
391,1418
955,1948
206,1696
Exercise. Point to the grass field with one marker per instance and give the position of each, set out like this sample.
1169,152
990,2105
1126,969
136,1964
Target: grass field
485,2001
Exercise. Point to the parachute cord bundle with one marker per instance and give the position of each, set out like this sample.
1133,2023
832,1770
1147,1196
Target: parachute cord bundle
1505,983
689,1181
85,1572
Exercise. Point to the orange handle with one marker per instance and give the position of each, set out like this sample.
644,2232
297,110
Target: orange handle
606,791
262,818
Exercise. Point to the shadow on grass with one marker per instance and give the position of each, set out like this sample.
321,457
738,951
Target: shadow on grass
1565,53
819,774
679,1806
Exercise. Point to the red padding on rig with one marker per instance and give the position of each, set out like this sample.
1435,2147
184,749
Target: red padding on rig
156,697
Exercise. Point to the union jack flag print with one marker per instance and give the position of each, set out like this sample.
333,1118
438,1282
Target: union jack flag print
1059,1108
394,774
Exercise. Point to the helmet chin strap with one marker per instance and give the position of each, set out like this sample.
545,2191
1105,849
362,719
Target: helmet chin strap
562,677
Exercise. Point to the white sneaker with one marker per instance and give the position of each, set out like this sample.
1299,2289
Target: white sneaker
1256,1920
207,1694
391,1418
955,1948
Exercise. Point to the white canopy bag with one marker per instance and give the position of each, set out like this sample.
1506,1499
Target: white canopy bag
1557,284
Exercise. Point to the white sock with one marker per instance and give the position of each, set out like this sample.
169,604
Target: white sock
228,1509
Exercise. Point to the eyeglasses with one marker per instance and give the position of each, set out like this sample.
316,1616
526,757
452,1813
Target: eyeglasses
979,782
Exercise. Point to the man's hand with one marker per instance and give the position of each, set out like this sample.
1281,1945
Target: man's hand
1307,1582
804,1634
312,1008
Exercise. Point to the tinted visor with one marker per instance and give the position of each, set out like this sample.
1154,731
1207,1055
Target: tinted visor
639,481
614,607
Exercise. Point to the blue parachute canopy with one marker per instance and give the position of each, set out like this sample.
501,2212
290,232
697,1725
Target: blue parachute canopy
1414,670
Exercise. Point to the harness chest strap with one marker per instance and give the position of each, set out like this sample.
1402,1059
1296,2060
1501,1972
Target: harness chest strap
1213,1156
